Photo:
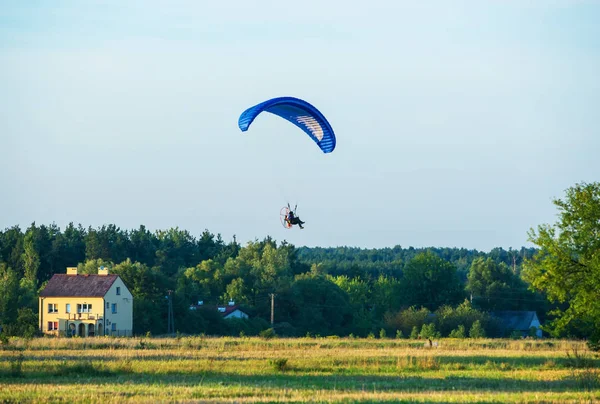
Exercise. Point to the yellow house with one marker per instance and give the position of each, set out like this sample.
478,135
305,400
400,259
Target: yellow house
86,305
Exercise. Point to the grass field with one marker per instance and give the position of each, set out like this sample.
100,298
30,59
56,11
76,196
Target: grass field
198,369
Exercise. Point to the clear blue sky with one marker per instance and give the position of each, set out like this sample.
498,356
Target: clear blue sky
457,121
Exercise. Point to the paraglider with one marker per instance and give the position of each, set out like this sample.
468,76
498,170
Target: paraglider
300,113
289,218
306,117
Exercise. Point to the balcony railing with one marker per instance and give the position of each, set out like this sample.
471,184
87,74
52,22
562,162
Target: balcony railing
84,316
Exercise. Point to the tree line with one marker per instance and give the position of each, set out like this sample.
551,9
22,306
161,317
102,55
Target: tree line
338,291
319,291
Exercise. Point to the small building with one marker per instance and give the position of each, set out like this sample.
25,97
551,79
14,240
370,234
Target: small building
86,305
232,310
519,321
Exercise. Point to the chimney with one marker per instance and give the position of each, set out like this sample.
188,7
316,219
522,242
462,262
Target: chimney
102,271
71,270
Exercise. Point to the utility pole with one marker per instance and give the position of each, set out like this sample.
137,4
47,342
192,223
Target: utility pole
272,308
170,319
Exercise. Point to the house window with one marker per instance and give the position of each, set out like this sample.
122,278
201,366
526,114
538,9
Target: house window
118,290
114,308
68,308
84,308
114,327
52,308
107,305
52,325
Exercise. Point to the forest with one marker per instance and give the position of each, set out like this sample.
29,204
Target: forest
344,291
323,291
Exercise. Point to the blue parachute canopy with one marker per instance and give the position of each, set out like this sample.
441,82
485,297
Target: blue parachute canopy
298,112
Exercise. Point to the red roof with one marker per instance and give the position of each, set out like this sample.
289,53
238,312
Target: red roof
229,309
62,285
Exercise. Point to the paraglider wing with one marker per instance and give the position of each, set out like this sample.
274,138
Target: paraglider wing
300,113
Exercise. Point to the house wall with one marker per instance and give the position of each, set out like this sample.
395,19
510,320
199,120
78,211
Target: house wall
123,318
536,323
98,321
94,317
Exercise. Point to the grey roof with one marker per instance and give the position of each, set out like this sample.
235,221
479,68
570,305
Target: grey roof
62,285
516,320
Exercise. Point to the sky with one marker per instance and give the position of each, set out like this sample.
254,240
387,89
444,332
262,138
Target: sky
457,122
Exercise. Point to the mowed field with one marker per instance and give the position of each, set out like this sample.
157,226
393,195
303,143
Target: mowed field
202,369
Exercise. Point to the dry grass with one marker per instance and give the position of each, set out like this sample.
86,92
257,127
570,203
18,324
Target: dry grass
296,370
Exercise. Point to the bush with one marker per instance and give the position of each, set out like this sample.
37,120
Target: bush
382,334
477,330
84,368
16,366
579,360
268,333
516,334
4,340
399,334
414,334
448,318
459,332
279,364
429,331
26,325
406,320
285,329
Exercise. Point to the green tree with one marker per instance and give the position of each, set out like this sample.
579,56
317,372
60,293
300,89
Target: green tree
148,287
477,330
459,332
25,325
9,295
385,296
143,246
357,289
431,281
176,249
567,266
448,318
236,291
491,284
70,247
28,294
429,331
408,319
11,249
315,305
414,334
494,286
30,257
90,267
359,294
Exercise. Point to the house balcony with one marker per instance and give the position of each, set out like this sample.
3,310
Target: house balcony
84,316
83,324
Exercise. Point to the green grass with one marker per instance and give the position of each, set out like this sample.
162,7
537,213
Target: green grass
296,370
